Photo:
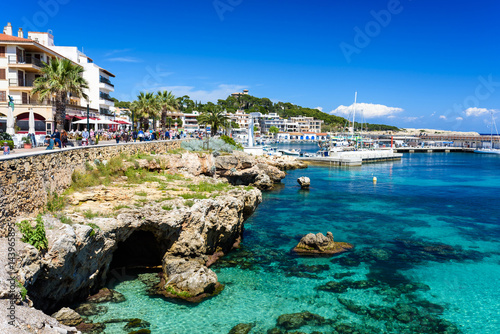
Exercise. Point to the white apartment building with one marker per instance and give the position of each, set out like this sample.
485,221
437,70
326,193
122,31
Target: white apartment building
21,62
307,124
241,118
190,122
100,85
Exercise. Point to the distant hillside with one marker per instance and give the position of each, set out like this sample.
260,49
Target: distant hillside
264,105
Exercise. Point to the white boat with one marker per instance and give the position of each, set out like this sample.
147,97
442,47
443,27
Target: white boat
488,151
491,149
293,152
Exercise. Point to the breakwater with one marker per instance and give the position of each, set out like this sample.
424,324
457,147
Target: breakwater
26,181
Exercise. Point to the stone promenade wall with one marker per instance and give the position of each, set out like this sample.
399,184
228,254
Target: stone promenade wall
26,181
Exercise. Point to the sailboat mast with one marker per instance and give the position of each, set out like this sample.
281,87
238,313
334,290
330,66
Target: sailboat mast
354,112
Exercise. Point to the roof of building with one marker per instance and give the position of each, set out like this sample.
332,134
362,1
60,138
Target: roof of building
296,134
9,38
308,132
322,134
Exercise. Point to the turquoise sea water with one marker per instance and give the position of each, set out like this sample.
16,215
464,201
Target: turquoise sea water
426,244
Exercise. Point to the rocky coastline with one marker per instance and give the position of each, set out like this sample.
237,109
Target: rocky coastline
179,227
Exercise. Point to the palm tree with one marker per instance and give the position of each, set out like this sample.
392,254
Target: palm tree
146,107
167,103
274,130
60,78
214,116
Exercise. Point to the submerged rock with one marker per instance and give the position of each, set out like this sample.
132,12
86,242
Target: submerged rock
91,328
318,244
89,309
304,182
242,329
106,295
297,320
136,323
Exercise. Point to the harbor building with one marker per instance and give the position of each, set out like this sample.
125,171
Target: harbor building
21,62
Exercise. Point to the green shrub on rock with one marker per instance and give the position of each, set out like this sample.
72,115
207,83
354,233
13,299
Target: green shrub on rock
34,236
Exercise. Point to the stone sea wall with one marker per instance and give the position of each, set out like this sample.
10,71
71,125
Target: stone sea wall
26,181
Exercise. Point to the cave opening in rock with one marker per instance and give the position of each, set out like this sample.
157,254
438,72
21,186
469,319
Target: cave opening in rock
141,249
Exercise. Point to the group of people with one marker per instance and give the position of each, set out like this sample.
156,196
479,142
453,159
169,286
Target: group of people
57,139
61,139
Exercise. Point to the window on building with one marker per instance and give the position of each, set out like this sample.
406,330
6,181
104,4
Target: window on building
3,96
2,74
2,51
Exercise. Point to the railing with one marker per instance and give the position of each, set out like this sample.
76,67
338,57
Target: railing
105,96
16,83
106,81
26,60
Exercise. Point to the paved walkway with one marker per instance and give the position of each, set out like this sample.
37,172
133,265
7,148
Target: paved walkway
30,151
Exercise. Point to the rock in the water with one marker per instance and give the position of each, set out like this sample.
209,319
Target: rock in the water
297,320
241,329
91,328
106,295
89,309
136,323
67,316
304,182
189,276
318,244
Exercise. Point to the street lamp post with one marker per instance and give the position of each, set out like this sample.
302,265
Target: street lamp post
88,122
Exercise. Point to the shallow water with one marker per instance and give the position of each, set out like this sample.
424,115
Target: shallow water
398,227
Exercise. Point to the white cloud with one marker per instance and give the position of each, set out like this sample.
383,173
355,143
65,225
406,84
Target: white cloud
392,116
368,110
410,119
125,60
221,92
459,118
319,108
442,117
478,111
112,52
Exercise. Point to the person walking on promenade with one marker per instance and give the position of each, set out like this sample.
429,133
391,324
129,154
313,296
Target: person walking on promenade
85,137
117,137
140,135
6,149
64,138
134,135
49,142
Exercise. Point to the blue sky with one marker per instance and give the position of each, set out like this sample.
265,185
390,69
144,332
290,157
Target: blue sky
414,63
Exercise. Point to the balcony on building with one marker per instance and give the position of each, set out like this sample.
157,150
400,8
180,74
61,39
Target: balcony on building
105,84
28,63
106,112
105,99
20,84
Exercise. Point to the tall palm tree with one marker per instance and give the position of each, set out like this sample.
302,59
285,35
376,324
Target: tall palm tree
167,103
60,78
146,107
214,116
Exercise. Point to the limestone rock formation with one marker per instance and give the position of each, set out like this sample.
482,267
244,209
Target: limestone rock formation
189,275
188,279
30,320
67,316
319,244
304,182
78,261
238,168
